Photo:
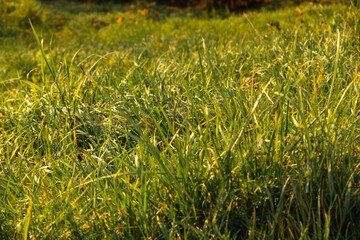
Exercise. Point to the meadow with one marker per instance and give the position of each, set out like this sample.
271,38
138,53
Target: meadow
150,122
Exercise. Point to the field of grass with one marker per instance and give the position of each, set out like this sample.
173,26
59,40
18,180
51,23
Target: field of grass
130,122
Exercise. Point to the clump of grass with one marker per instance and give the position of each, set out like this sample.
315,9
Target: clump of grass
201,136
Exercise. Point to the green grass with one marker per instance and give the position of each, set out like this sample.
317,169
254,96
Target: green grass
179,124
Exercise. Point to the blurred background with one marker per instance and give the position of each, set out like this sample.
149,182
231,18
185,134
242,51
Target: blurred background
208,4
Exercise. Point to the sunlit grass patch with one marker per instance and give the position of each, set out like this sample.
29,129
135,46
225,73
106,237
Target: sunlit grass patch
178,127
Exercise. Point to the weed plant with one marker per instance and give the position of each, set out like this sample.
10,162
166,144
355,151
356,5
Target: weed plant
177,127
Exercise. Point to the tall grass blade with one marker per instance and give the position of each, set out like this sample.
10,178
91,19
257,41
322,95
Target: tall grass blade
335,68
44,58
27,220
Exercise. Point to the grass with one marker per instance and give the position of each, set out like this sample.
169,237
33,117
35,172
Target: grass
178,124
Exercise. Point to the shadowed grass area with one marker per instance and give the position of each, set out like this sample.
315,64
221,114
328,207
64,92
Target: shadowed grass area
118,124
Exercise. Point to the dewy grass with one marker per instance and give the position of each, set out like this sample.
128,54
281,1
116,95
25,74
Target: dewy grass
183,128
